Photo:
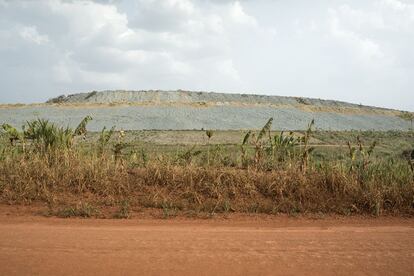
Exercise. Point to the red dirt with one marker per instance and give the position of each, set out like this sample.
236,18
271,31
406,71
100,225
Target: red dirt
240,245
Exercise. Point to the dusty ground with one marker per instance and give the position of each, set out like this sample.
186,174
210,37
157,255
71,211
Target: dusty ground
238,245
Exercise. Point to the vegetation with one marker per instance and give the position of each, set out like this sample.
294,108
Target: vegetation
91,94
209,134
266,172
408,116
104,138
84,210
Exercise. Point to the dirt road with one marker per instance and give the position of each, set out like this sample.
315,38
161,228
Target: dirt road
238,246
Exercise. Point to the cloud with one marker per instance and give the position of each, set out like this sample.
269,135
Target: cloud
227,68
61,73
359,51
238,14
395,4
101,45
364,47
30,34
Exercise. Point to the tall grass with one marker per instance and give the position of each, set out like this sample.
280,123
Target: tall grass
272,174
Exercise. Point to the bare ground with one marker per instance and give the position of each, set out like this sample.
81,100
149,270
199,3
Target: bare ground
236,245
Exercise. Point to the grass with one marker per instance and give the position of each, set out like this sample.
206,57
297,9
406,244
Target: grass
329,145
213,189
124,211
83,210
270,172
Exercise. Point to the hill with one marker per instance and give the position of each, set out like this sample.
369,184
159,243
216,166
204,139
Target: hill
182,110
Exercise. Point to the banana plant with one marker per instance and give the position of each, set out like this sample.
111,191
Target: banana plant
360,155
258,142
81,128
307,149
12,133
45,135
243,147
283,145
119,146
104,138
188,155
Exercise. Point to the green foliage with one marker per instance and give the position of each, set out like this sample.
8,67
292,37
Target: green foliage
282,146
117,150
279,148
44,136
287,177
209,134
265,129
360,156
246,138
306,149
285,141
47,136
90,95
124,211
188,155
119,146
104,138
408,116
244,159
83,210
301,100
12,133
81,128
259,143
144,157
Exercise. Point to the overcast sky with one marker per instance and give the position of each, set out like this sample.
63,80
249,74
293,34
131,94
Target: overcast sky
360,51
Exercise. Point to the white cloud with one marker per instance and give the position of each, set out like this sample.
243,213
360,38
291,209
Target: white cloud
61,73
364,47
353,50
30,34
102,50
184,6
238,14
226,67
395,4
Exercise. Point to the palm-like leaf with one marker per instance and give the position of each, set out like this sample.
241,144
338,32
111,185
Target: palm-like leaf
104,138
12,132
265,129
81,129
246,138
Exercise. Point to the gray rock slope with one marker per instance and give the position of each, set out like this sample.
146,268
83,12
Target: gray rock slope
180,96
180,110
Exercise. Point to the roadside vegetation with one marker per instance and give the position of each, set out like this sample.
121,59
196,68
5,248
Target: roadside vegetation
80,174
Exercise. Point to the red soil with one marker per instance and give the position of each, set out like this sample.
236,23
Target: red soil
240,245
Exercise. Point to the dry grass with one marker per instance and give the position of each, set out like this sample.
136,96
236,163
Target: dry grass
383,188
275,175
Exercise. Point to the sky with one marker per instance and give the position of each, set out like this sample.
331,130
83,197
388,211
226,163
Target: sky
360,51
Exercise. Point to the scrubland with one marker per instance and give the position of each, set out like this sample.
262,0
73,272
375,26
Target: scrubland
114,173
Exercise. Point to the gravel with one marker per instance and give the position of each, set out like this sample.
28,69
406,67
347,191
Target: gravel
162,117
181,96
